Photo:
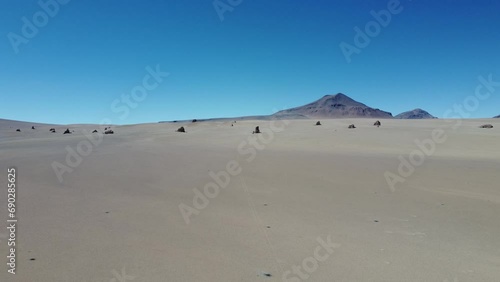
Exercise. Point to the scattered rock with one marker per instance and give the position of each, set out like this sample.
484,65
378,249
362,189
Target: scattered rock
32,258
195,120
18,130
318,123
377,123
415,114
95,131
352,126
257,130
486,126
375,220
181,129
33,127
109,131
67,131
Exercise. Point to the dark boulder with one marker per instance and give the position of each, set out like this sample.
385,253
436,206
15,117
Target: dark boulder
109,131
18,130
318,123
181,129
67,131
377,123
486,126
95,131
352,126
257,130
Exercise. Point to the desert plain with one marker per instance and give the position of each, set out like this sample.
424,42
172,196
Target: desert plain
297,202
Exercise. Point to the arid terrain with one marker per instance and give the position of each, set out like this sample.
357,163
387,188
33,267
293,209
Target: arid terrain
297,202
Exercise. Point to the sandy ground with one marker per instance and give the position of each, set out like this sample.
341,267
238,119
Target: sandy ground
305,203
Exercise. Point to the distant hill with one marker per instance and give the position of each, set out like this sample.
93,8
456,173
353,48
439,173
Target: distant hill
415,114
334,106
7,123
497,116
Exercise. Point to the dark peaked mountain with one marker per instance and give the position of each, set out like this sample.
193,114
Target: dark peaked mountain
334,106
497,116
415,114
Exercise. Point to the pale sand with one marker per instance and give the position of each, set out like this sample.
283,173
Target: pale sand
442,224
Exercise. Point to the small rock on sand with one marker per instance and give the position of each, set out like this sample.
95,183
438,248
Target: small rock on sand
486,126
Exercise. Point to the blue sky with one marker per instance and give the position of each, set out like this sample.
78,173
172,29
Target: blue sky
262,57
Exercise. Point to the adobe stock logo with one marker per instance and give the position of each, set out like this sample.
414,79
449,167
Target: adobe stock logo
427,147
222,7
122,106
372,29
310,264
220,180
30,28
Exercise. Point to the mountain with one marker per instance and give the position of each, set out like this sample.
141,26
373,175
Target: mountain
7,123
415,114
497,116
333,106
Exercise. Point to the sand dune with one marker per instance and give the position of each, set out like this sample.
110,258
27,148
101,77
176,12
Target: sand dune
295,187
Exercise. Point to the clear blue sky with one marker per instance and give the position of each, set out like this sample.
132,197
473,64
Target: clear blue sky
263,57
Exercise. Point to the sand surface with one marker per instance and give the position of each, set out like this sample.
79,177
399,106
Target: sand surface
117,212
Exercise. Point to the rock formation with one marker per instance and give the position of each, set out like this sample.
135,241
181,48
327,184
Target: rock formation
486,126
